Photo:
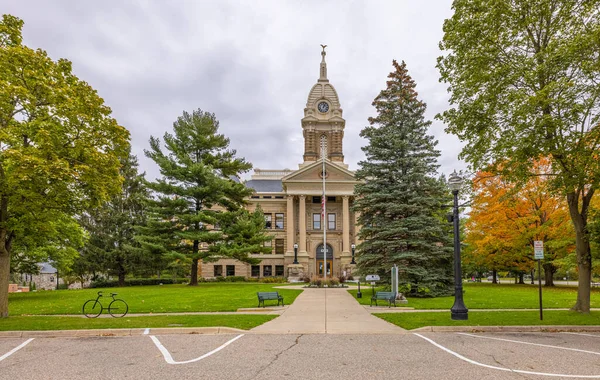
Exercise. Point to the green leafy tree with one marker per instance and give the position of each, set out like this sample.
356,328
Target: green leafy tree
198,191
59,148
400,202
111,228
523,78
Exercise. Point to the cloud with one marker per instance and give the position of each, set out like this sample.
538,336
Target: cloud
251,63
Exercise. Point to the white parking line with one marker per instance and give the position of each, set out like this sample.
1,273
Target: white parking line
147,331
169,358
501,368
574,333
531,344
16,349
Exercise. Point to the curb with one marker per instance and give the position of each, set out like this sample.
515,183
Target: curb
545,328
120,332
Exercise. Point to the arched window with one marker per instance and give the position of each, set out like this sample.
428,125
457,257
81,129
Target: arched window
323,146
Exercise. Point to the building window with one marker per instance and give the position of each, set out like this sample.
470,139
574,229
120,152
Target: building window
269,243
279,246
316,199
230,270
279,221
279,197
279,270
267,270
331,221
316,221
268,221
330,199
255,271
218,271
267,197
254,197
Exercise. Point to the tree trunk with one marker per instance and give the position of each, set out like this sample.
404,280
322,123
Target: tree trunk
522,278
494,279
532,275
549,271
121,277
4,279
194,277
582,247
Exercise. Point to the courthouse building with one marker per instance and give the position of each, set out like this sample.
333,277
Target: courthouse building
291,200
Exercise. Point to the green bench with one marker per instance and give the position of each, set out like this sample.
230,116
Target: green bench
390,297
265,296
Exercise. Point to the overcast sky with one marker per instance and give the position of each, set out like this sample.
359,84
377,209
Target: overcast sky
252,63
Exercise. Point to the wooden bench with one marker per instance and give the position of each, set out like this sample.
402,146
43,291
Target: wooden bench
595,284
390,297
264,296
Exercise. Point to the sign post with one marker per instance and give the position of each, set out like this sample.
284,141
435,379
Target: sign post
372,278
538,254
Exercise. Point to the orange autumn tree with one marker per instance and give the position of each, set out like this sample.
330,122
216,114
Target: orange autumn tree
506,219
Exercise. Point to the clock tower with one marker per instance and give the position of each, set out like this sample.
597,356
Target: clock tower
323,121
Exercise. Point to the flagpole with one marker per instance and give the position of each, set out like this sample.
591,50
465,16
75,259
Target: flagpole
323,210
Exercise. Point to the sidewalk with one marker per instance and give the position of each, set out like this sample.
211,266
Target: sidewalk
327,311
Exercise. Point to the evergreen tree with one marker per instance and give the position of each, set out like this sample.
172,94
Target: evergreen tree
197,194
400,202
111,228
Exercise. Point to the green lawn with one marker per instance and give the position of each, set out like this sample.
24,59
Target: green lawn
149,299
497,296
243,321
491,318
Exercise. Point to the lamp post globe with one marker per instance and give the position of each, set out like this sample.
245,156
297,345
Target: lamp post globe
295,253
353,246
458,311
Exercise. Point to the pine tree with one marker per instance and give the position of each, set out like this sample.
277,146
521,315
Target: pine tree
400,202
111,228
198,193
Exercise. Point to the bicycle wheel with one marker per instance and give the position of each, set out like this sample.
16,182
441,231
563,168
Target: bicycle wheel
118,308
92,308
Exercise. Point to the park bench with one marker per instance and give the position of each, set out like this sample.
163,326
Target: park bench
264,296
390,297
595,284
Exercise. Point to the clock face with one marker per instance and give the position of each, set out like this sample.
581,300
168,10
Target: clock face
323,107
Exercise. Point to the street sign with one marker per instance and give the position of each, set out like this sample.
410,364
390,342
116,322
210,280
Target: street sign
372,277
538,250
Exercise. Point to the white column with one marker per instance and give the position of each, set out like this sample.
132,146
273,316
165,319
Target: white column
302,221
345,225
290,224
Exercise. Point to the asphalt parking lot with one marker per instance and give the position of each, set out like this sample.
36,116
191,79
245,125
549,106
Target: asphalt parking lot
309,356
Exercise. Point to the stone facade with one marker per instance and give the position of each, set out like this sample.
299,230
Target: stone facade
291,200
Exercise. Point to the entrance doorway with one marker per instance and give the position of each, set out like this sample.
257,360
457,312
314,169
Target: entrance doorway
320,260
321,267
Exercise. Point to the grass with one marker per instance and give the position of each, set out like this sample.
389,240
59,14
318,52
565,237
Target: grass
206,297
244,322
491,318
497,296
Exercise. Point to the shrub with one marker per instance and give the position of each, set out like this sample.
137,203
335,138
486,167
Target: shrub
138,282
333,281
273,280
350,278
342,279
306,279
316,281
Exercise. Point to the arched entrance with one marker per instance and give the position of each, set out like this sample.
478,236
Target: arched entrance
320,260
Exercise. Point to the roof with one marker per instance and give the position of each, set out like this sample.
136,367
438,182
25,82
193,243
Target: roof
265,185
46,268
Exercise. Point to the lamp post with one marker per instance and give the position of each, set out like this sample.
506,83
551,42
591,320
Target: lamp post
459,311
353,246
295,253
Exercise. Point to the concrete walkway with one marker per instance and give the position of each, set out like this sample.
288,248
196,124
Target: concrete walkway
327,311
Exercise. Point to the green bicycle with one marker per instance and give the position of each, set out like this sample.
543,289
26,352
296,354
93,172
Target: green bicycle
117,307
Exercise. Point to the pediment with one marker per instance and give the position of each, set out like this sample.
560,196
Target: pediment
312,173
